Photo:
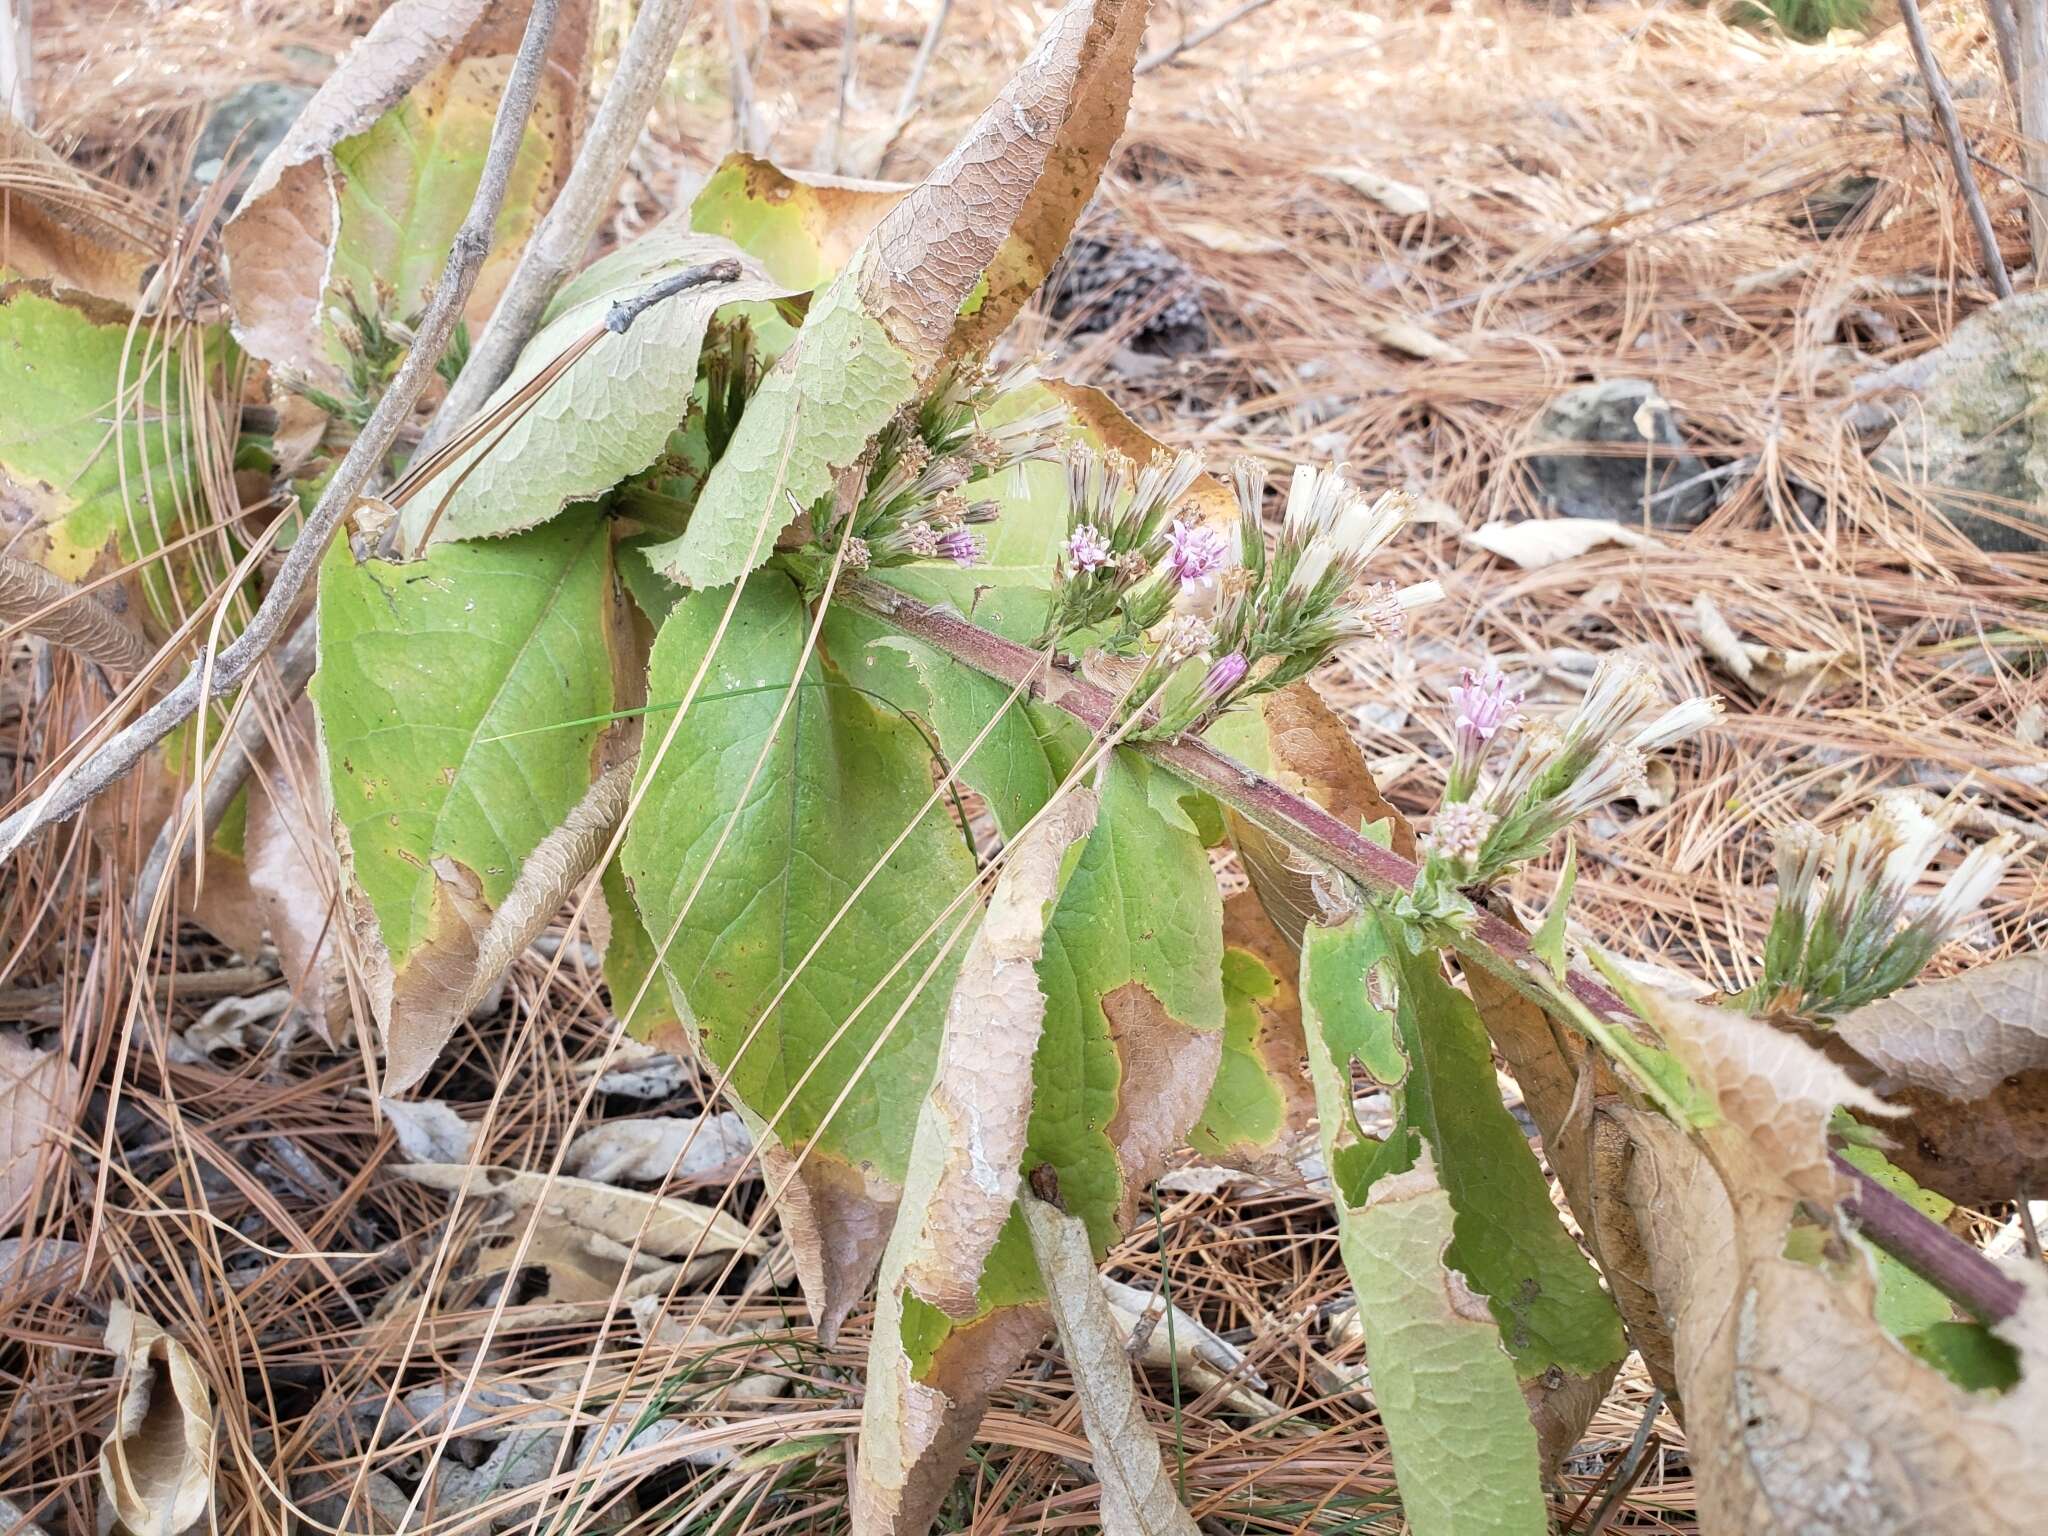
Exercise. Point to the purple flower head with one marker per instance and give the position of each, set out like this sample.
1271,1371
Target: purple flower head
1224,675
1485,706
1195,550
961,547
1087,549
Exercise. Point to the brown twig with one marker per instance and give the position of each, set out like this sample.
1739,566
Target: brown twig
213,676
1930,1250
564,236
1958,148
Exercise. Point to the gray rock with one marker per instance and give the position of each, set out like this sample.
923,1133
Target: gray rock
249,122
1612,484
1975,432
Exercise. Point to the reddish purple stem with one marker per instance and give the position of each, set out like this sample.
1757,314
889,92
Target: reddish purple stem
1924,1246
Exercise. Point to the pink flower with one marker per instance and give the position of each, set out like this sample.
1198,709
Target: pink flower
1225,675
1087,549
1483,705
1194,550
961,547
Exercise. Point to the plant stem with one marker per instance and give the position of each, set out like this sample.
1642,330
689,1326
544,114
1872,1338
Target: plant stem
1946,1261
211,677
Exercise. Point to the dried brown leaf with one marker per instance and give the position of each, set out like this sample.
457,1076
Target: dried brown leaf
1966,1058
45,604
54,227
1003,203
660,1224
289,870
156,1465
1769,670
1397,197
35,1115
1406,336
1137,1492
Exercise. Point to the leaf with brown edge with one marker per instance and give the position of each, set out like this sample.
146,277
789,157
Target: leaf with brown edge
1966,1059
1137,1491
940,277
156,1464
1292,736
921,1408
1262,1103
424,81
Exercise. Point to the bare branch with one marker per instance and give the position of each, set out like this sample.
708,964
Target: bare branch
217,675
558,246
1199,36
1958,147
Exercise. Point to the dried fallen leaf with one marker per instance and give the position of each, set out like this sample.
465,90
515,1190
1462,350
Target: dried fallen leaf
288,859
1395,196
35,1113
1770,670
43,603
59,230
654,1150
1203,1359
1406,336
429,1131
156,1466
659,1224
1137,1492
1540,541
1228,239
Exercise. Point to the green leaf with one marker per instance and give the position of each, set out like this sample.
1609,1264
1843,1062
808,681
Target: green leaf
1465,1453
438,681
629,964
62,459
814,413
1544,1294
842,779
801,226
614,409
1547,943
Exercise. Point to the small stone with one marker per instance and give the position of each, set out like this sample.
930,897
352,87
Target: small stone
1975,437
1630,419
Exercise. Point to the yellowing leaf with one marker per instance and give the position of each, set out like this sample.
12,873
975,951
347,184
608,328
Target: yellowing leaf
156,1465
941,276
802,226
370,183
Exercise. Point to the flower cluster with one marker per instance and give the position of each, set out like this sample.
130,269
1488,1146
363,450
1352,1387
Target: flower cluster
918,502
1553,773
1282,612
1838,943
1126,555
